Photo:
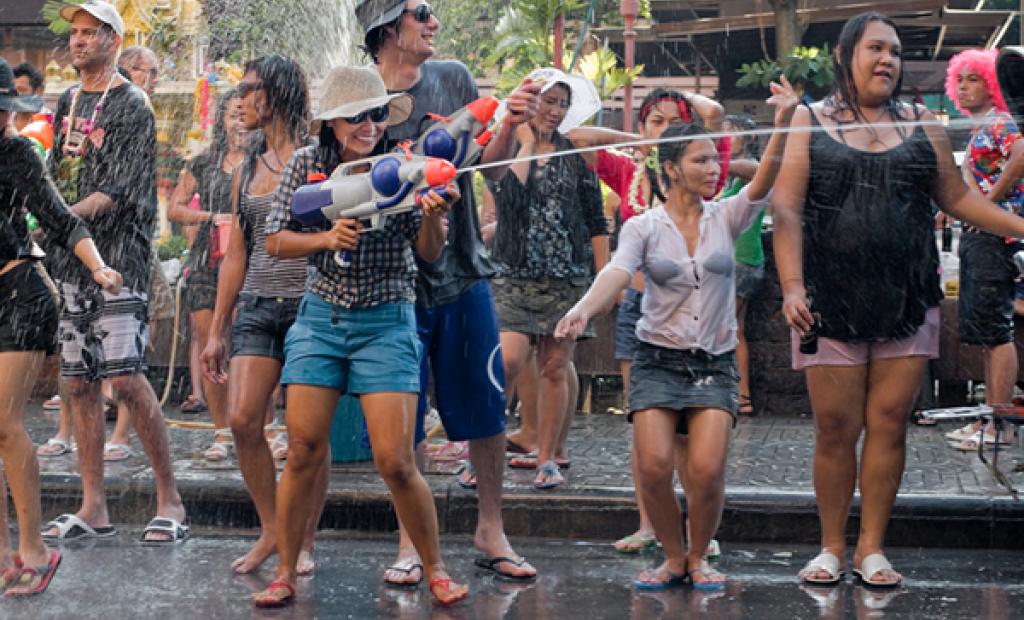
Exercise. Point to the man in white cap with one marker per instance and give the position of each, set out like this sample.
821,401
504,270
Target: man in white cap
103,161
455,311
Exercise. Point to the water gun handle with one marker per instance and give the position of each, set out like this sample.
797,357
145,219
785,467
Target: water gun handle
441,191
343,258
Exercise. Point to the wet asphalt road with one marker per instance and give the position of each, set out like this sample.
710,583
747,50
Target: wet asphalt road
119,578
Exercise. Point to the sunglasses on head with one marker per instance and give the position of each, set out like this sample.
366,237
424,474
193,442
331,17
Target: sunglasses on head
421,13
244,88
377,115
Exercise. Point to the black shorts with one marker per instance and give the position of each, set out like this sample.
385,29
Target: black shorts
29,309
987,289
261,325
201,289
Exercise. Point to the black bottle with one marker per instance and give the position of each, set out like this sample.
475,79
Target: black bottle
947,238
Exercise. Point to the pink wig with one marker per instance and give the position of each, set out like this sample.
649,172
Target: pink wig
981,62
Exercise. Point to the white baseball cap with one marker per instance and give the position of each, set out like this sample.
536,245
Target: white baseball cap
103,11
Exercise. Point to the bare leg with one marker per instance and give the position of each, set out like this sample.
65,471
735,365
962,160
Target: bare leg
251,383
572,386
743,356
401,572
891,390
838,395
1000,377
654,432
488,458
120,434
553,359
216,393
704,477
196,342
521,375
135,393
64,430
19,455
305,564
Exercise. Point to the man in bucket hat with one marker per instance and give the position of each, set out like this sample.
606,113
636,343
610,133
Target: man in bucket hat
103,160
455,311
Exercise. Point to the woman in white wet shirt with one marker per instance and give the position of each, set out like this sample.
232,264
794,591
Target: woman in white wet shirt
684,376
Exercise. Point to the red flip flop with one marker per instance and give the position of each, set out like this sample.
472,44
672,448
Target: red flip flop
272,597
40,576
448,586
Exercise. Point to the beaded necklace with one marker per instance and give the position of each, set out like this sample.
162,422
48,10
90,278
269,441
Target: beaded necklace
642,163
87,126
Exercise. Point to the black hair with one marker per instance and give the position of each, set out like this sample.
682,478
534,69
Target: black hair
568,91
673,151
745,122
328,150
219,143
374,39
657,95
844,95
35,77
287,96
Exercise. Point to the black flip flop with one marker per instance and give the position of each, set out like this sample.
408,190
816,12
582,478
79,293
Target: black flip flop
513,448
492,565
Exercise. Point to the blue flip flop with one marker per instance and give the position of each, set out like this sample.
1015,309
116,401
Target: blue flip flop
642,583
549,469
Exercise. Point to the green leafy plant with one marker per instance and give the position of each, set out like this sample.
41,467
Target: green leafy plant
804,67
51,13
602,68
172,246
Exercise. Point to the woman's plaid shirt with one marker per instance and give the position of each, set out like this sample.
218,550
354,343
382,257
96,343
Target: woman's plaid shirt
383,267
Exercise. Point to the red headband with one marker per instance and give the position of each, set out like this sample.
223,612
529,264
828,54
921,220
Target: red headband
684,108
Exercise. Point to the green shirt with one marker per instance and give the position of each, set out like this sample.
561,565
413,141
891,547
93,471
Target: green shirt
748,245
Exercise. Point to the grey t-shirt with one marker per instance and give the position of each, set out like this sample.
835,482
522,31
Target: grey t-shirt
446,86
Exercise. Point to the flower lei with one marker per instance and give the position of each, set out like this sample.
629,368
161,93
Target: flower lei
633,198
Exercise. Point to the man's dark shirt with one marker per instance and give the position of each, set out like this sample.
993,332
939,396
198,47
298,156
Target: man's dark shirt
444,88
119,161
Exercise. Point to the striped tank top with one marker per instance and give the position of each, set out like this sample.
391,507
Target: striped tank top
266,275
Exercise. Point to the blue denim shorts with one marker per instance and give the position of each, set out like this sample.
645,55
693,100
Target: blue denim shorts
625,325
356,351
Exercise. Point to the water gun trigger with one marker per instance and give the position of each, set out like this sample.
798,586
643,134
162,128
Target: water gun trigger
406,147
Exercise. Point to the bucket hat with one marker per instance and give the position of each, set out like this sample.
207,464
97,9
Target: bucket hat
347,91
376,13
584,102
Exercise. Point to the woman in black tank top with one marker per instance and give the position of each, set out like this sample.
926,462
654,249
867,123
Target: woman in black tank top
854,246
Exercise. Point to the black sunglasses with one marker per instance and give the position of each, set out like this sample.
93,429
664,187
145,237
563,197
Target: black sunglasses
244,88
421,13
377,115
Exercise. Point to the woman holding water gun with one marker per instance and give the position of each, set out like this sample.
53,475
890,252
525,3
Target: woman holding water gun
356,328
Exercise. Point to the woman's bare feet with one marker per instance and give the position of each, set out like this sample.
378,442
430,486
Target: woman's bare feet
444,588
264,548
304,565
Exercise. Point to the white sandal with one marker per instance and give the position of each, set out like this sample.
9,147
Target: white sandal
964,432
824,562
871,566
220,449
110,448
62,448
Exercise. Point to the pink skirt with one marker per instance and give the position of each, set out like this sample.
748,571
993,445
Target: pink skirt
924,343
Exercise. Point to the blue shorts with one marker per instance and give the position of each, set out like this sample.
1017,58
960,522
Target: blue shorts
461,346
625,325
357,351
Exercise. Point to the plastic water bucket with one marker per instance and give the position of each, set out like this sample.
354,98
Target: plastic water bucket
349,439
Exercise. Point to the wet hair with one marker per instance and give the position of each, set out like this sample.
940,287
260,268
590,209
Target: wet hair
981,62
673,151
329,149
745,122
375,38
287,96
219,143
844,95
568,91
658,95
35,77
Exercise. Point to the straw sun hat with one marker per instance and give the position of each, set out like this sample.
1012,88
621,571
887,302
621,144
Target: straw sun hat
347,91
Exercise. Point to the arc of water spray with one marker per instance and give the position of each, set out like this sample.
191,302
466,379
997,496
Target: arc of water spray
955,123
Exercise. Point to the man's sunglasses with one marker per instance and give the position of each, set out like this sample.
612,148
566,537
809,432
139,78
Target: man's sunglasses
422,13
244,88
377,115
